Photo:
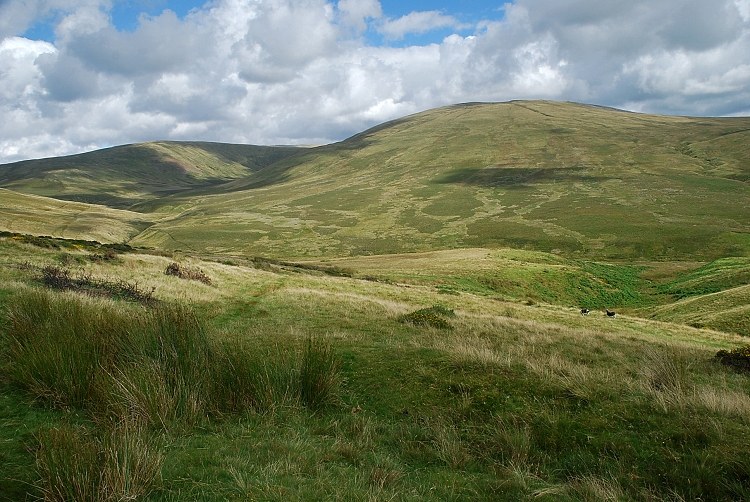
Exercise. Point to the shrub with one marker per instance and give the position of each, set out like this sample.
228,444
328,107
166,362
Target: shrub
434,316
738,358
56,277
62,279
183,272
108,255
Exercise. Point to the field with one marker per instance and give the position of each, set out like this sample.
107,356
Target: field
393,317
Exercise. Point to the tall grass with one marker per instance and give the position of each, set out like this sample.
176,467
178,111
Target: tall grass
319,377
74,463
157,366
137,372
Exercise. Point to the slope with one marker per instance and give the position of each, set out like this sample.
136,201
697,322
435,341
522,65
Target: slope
124,175
33,214
716,296
562,177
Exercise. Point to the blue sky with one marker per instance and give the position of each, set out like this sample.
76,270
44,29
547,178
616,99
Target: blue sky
76,75
125,16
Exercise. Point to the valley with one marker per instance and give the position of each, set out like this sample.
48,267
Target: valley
396,316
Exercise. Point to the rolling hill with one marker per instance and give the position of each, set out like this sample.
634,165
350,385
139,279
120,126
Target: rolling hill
121,176
393,317
557,177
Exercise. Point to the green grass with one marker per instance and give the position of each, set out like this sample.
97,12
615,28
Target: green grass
351,344
286,382
577,180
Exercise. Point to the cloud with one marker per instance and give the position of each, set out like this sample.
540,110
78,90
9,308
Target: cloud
416,23
355,13
303,71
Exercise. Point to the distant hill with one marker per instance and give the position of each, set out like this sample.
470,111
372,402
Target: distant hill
36,215
562,177
124,175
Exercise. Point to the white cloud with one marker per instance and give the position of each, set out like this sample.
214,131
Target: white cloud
416,23
301,71
355,13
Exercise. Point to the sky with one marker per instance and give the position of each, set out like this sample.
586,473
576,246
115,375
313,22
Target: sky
77,75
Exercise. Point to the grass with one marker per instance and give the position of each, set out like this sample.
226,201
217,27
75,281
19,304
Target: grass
296,383
570,179
297,378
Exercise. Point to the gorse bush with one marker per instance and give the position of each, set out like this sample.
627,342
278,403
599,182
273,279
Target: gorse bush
434,316
63,279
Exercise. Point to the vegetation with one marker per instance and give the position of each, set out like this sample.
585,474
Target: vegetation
394,317
184,272
738,358
279,383
581,181
434,316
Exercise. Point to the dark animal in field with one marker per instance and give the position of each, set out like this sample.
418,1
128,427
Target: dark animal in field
585,311
610,313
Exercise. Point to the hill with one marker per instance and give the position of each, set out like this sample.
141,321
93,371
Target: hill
392,317
122,176
579,180
558,177
35,215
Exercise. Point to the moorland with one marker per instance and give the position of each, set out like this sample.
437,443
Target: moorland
396,316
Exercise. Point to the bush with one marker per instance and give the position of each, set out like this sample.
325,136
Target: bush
434,316
108,255
62,279
738,358
183,272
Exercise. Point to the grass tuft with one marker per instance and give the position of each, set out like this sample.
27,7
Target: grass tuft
434,317
72,463
320,374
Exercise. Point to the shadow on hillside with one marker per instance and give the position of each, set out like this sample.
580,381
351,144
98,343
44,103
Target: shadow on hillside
518,177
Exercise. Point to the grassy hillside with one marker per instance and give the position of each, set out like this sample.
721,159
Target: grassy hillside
508,402
557,177
122,176
510,274
727,310
560,177
392,317
31,214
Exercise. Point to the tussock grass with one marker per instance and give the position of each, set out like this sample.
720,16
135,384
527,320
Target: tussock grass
74,463
320,374
158,366
596,489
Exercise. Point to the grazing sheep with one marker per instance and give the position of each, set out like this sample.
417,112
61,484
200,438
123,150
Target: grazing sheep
610,313
585,311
